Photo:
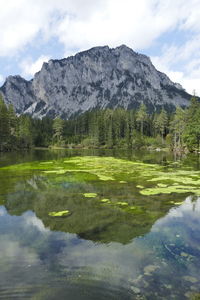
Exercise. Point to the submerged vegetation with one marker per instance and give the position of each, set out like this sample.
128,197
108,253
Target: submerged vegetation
63,213
70,194
99,223
155,179
90,195
179,131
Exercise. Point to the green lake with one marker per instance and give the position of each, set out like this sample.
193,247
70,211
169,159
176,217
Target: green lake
99,224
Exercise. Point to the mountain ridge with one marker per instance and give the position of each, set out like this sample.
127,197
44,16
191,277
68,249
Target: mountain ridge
100,77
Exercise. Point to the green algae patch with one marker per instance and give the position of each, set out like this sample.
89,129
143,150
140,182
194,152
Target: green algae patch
135,209
140,186
105,178
58,172
162,185
177,203
179,189
63,213
105,168
157,179
111,169
105,200
90,195
122,203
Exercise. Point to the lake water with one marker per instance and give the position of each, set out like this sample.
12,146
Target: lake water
99,225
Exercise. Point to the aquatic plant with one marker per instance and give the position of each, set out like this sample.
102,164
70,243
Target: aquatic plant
105,200
90,195
156,179
122,203
63,213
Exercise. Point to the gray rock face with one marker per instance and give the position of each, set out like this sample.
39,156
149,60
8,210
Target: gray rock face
98,78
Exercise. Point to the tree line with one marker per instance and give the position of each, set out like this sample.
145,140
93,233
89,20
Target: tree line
104,128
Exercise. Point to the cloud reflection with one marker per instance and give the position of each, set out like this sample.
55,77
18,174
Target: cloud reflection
41,255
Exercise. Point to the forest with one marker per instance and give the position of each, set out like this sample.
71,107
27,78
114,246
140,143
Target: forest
118,128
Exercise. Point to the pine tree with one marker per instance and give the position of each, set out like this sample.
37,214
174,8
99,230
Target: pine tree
177,127
141,117
109,136
58,130
12,119
24,131
4,126
192,130
161,122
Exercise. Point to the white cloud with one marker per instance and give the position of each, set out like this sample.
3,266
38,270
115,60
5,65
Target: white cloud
189,82
136,23
21,21
187,56
78,26
29,67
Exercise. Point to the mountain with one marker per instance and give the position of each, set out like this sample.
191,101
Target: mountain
97,78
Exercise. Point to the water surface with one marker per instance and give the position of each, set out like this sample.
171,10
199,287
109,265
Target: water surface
132,232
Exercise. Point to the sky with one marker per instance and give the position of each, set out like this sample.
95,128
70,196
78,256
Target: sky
168,31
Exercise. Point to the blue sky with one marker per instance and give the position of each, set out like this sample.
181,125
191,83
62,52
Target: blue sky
34,31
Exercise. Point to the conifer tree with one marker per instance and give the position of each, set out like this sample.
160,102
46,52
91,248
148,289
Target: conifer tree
4,129
58,130
177,127
161,123
141,117
12,119
192,129
25,131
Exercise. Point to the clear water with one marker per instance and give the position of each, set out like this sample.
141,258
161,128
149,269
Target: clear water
100,250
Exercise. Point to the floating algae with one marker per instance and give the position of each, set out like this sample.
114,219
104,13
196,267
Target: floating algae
122,203
150,234
90,195
105,200
140,186
63,213
134,209
177,203
162,185
55,172
105,178
179,189
92,168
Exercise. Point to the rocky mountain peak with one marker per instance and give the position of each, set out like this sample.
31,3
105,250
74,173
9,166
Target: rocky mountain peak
100,77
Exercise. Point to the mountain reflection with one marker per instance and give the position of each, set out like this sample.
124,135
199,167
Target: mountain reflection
90,219
31,247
